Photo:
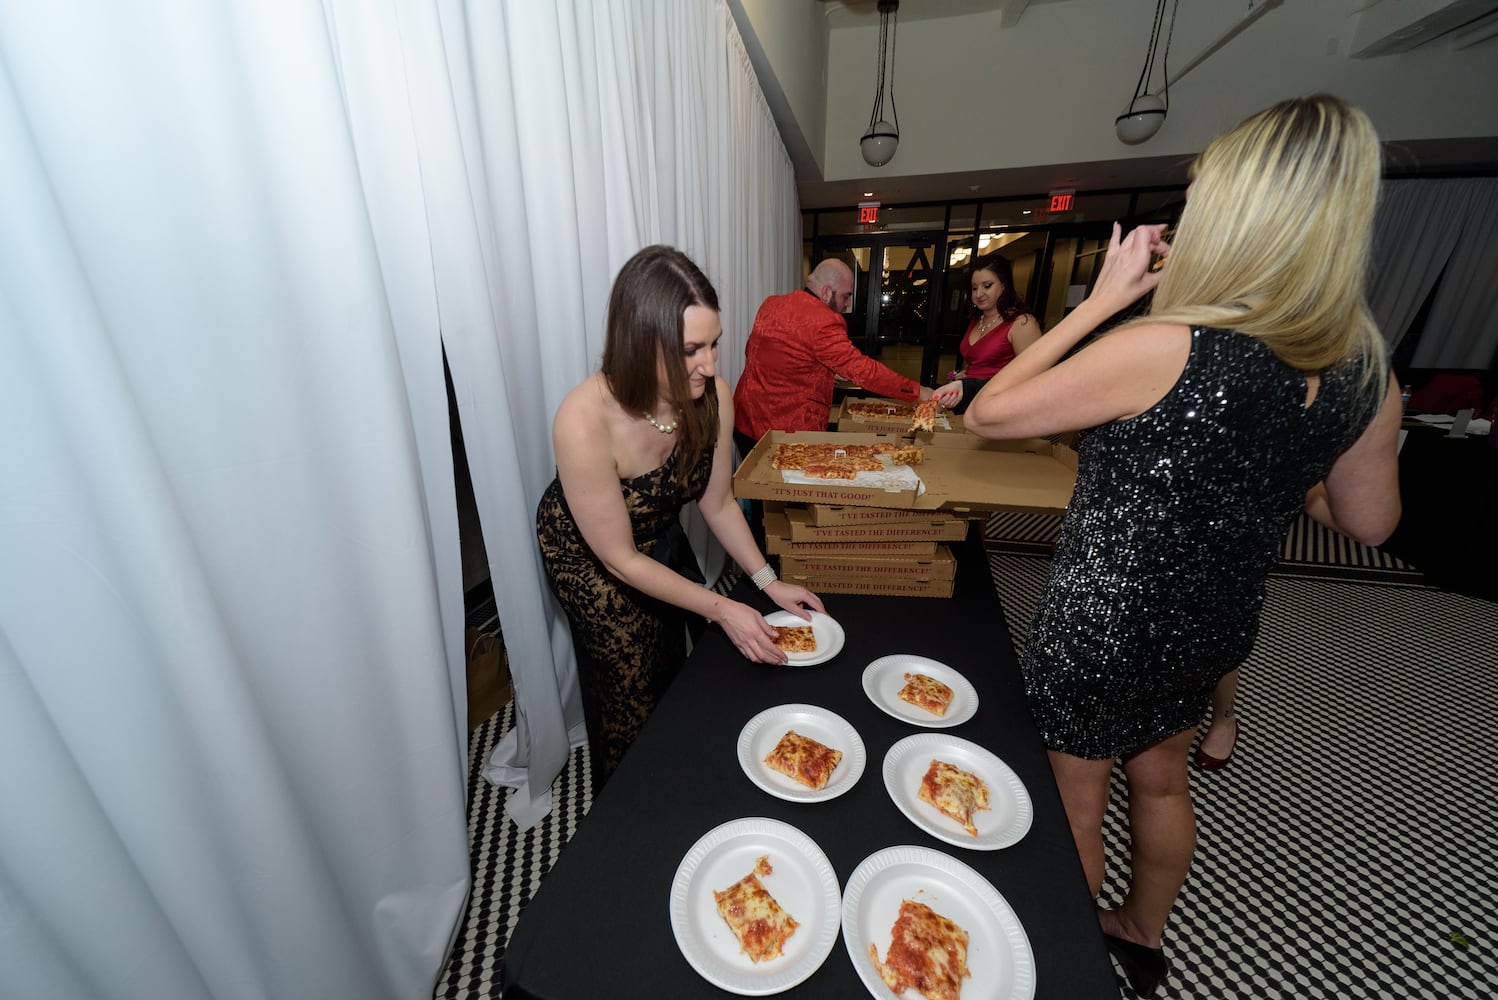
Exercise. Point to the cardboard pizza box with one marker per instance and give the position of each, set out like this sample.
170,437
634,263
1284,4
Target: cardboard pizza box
895,420
778,542
880,586
941,565
830,514
959,473
804,529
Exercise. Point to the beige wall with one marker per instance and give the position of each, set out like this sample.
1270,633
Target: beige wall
787,42
975,96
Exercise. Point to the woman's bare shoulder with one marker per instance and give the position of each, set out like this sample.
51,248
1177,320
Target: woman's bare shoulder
586,410
1146,336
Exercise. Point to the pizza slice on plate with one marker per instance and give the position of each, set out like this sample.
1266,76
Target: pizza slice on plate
927,953
926,692
795,638
954,792
804,759
759,923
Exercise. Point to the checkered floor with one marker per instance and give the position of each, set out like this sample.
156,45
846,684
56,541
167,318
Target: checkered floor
1349,850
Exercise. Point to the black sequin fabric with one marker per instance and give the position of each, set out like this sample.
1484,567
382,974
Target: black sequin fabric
1158,579
629,646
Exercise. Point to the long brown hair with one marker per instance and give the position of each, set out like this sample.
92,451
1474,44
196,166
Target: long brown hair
646,322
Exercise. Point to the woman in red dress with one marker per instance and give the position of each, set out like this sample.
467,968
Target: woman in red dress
1001,327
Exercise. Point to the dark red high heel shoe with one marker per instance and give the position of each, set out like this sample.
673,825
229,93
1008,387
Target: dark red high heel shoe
1144,968
1207,762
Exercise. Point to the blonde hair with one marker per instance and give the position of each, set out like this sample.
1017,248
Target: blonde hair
1275,239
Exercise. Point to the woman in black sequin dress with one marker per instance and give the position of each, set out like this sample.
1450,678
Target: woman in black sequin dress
635,442
1257,376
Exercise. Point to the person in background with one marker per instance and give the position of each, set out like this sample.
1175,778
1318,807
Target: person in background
797,348
1257,373
1001,327
1220,741
639,438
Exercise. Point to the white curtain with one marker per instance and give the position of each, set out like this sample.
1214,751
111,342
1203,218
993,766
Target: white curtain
596,128
236,237
231,667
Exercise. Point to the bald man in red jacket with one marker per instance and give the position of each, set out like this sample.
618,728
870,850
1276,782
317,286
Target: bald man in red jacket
798,347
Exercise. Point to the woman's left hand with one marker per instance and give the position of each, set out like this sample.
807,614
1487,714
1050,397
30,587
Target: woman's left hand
793,598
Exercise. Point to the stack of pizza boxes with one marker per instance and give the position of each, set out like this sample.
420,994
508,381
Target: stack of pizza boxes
843,537
845,549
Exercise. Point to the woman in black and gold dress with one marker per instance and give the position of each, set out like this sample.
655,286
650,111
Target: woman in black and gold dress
635,442
1257,386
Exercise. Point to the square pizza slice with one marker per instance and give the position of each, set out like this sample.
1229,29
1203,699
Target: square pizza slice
926,692
804,759
924,417
795,638
954,792
906,454
927,953
759,923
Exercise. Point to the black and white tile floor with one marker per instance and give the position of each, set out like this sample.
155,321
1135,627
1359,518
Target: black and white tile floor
1348,852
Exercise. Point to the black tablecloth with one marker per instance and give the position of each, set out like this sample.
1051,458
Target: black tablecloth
600,924
1449,528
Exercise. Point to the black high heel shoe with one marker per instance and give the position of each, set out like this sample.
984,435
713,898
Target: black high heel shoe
1144,968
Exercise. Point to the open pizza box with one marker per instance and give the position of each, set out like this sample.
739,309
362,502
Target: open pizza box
862,415
960,473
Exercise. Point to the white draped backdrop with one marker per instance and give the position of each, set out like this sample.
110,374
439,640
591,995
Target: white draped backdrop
236,238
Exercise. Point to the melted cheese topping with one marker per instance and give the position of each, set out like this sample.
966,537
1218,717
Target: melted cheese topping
926,692
924,418
894,412
759,923
927,953
957,793
795,638
804,759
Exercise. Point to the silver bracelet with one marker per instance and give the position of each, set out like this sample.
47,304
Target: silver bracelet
764,577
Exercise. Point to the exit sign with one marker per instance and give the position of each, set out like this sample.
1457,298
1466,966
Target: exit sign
868,212
1062,200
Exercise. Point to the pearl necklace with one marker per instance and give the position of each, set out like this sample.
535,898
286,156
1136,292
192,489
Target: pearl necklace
664,428
984,325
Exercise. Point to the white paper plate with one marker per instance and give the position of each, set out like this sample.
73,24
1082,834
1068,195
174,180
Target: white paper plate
1003,824
998,952
802,882
883,679
762,732
828,633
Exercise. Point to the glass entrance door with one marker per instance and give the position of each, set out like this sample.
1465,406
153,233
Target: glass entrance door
1024,249
893,314
1054,269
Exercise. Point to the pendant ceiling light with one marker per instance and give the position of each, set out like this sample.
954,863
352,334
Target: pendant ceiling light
879,142
1146,111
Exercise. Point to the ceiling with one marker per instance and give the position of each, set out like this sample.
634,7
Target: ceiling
1478,18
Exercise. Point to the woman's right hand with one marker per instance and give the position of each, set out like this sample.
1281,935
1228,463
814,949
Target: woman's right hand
750,634
1125,276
